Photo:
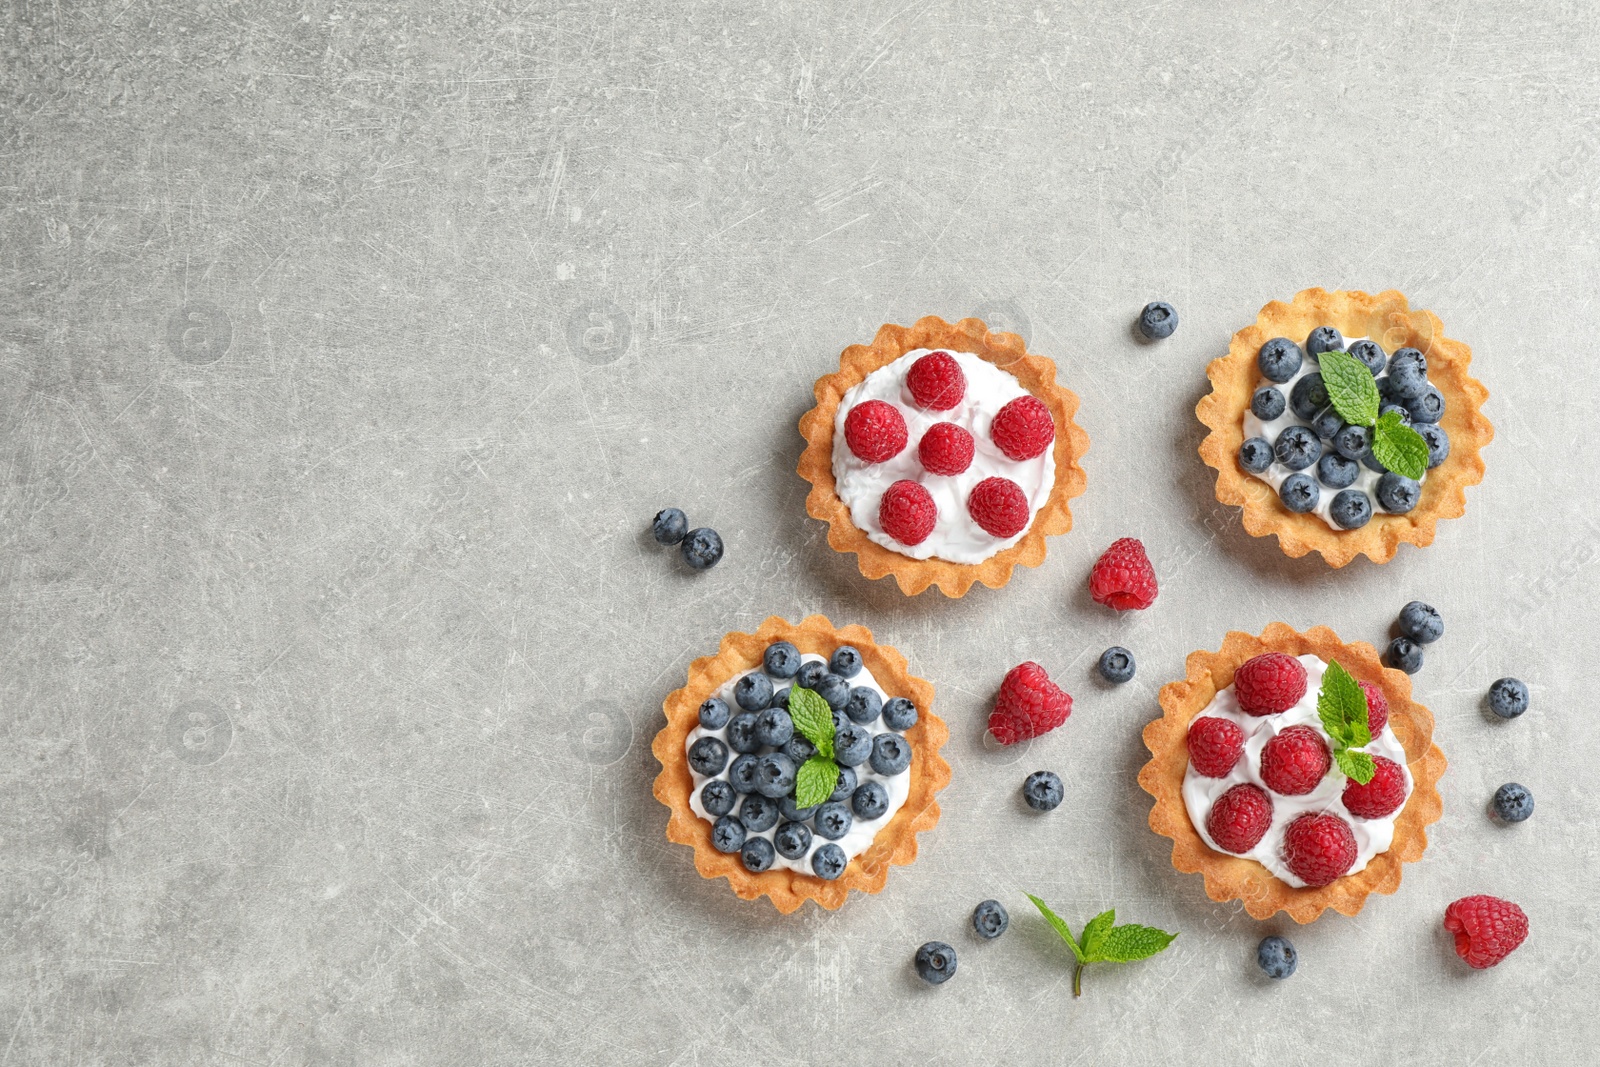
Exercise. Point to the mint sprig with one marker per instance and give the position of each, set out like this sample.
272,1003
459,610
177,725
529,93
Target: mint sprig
1103,941
1399,447
1342,707
817,777
1353,392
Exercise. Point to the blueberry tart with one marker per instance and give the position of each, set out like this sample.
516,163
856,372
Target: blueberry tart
1293,771
800,762
942,454
1345,423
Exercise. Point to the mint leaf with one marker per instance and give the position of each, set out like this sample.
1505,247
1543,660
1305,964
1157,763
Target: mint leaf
1357,766
1104,942
1094,934
1351,388
1340,702
814,782
1060,927
1124,944
1399,447
814,719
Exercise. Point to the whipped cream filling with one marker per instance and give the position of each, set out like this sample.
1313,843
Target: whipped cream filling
862,831
1373,836
955,537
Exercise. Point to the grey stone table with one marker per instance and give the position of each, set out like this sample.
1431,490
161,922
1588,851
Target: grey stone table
348,348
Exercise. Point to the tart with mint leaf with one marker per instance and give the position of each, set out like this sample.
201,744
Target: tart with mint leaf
1345,423
1293,771
800,762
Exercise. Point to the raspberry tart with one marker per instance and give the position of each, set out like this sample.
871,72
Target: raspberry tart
800,762
1293,771
1346,424
942,454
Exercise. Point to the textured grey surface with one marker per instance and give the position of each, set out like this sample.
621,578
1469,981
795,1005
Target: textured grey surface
348,348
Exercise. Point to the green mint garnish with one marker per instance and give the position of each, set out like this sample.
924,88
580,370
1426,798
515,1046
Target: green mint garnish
1351,388
817,776
1103,941
1399,447
1342,707
815,781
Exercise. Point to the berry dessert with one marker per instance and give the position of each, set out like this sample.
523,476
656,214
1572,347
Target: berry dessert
800,762
942,454
1345,423
1293,771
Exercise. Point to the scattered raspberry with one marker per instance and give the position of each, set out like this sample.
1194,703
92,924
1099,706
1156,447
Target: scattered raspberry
1240,818
1214,745
1380,797
936,381
1123,578
907,512
999,506
1269,683
1029,704
875,431
1023,428
1294,761
945,449
1318,847
1377,708
1486,928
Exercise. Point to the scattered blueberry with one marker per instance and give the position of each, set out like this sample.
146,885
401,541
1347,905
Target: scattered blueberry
1277,956
1328,424
1309,396
1336,472
1513,802
833,820
846,662
792,840
870,800
1438,443
759,813
1398,408
852,745
781,660
1324,339
742,774
1299,493
775,775
714,714
891,754
936,961
742,732
753,692
1042,790
1268,403
899,714
1297,448
717,797
1279,359
1429,407
864,705
1397,493
791,810
990,919
708,756
1116,664
798,748
774,727
1370,354
1421,622
1404,654
1508,698
1157,320
1351,509
670,526
702,548
756,854
845,787
727,834
810,674
835,690
1352,442
1255,455
1408,374
828,862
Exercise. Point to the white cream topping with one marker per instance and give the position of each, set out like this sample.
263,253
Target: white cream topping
956,537
862,831
1373,836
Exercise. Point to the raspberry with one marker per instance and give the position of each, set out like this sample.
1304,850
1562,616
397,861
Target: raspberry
1269,683
945,449
1023,428
1029,704
875,431
1240,818
999,506
1318,847
1377,708
907,512
1214,745
936,381
1486,928
1293,762
1123,578
1380,797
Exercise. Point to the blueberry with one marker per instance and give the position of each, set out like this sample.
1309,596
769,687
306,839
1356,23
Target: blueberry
828,862
835,690
1279,359
864,705
669,526
1327,425
793,811
845,787
793,839
781,660
1299,493
1438,443
936,961
1370,354
1429,407
1308,396
1403,654
1508,698
753,692
742,774
702,548
1324,339
1398,408
1157,320
775,775
708,756
1421,622
833,820
1297,448
780,698
851,745
1513,802
846,662
758,813
727,834
1385,387
1336,472
891,754
1268,403
1352,442
1351,509
717,797
810,674
1116,664
742,732
756,854
798,748
774,727
1369,461
714,713
1398,494
870,800
1276,956
990,919
1408,374
1042,790
1255,455
899,714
